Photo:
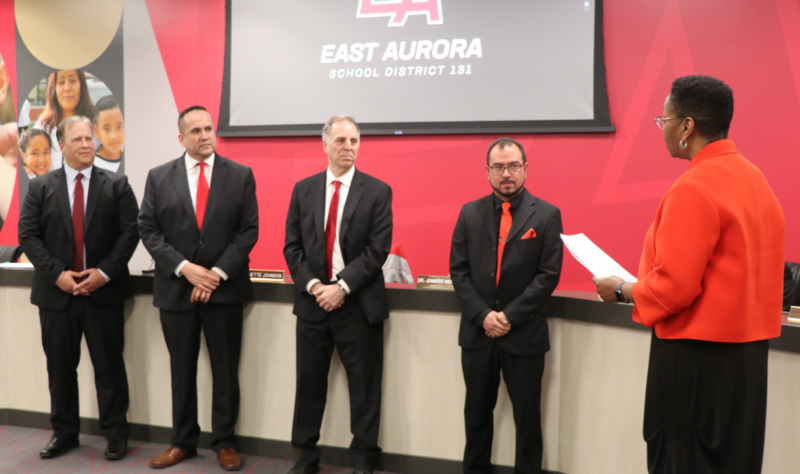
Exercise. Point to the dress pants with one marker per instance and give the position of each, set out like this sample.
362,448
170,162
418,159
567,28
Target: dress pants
705,408
523,377
360,347
222,326
104,328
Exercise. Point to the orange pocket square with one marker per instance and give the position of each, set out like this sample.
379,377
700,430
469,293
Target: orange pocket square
529,235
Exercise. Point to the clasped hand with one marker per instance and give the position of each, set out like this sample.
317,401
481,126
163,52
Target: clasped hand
496,324
205,281
329,297
90,280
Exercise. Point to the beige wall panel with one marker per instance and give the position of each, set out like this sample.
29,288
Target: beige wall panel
603,374
267,371
147,364
5,310
423,387
551,399
27,366
783,416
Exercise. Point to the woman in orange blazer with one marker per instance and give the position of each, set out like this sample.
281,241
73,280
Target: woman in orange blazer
711,286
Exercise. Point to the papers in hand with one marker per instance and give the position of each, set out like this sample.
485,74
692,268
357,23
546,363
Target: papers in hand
593,258
16,266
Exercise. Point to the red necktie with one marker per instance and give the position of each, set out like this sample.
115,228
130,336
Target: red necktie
202,195
505,227
330,228
77,225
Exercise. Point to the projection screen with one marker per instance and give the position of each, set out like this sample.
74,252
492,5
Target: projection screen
414,66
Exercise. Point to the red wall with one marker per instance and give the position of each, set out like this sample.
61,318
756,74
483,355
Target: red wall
607,185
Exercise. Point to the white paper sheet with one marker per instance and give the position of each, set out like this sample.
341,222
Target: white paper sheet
17,266
593,258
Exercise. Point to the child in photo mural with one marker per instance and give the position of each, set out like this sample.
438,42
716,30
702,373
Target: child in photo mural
34,147
109,128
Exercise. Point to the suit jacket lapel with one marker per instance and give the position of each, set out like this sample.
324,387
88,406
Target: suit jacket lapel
182,188
95,185
486,209
353,195
218,173
318,204
526,209
62,195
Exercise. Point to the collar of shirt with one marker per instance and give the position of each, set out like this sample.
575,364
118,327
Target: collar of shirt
72,174
515,201
191,162
345,179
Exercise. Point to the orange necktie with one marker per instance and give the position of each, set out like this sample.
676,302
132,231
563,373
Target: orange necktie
505,227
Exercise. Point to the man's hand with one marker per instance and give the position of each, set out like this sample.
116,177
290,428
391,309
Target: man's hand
496,324
329,297
66,282
200,277
607,287
94,280
200,295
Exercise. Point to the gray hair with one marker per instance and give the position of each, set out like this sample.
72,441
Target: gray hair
326,130
68,123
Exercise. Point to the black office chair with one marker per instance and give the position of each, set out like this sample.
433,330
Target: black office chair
10,253
791,285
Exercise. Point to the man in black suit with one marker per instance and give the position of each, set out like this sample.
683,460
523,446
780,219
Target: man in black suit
338,235
505,262
77,226
199,221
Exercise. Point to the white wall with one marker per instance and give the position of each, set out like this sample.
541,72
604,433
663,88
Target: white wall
151,115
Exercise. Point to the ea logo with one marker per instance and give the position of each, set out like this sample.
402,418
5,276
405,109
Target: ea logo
399,10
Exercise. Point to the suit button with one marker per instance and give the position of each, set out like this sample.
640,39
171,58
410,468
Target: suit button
492,275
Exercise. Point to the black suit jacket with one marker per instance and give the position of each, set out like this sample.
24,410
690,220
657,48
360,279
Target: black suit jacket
365,238
168,226
110,236
530,272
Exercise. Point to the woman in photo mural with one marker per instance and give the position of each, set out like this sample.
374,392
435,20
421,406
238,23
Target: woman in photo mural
109,128
67,95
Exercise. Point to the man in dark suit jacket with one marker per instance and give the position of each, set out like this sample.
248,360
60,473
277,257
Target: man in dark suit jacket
199,221
338,235
77,226
505,263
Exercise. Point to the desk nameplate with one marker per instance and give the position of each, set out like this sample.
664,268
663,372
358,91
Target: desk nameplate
435,282
268,275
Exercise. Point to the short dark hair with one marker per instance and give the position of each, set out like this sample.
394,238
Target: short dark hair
108,102
187,111
28,135
506,143
705,99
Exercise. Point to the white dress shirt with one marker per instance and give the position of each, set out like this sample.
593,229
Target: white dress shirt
72,180
338,260
193,176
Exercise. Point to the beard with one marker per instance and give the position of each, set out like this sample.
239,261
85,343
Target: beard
511,193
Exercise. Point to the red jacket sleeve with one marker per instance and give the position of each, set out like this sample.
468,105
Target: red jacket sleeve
685,232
